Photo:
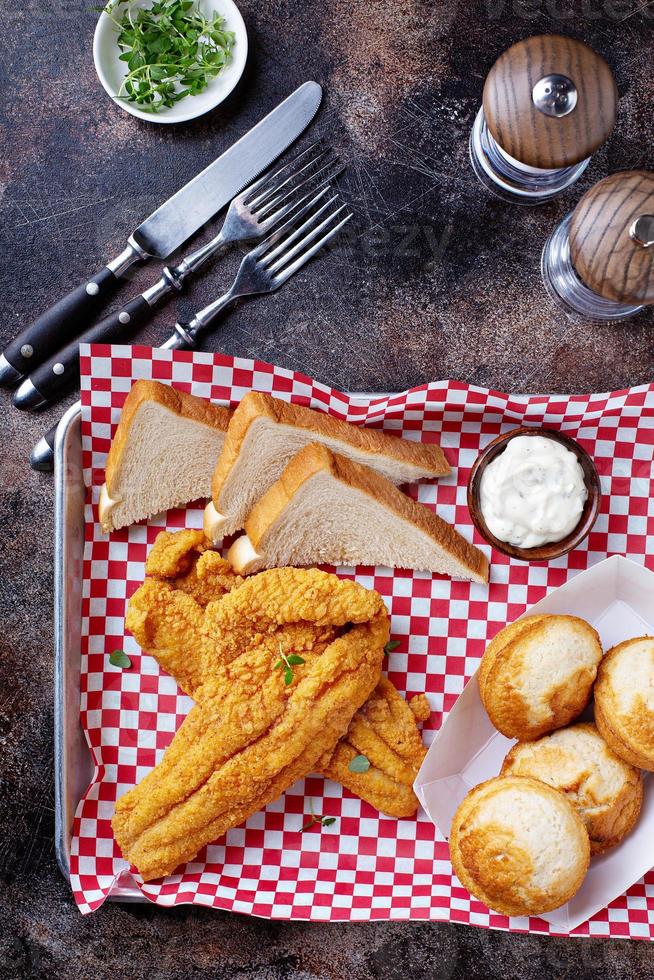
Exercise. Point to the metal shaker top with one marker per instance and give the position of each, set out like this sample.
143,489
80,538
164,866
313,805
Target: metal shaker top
550,101
612,237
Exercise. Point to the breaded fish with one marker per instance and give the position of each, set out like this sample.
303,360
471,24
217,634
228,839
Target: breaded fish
253,734
386,724
384,730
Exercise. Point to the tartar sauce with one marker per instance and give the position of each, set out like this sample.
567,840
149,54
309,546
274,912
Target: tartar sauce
533,493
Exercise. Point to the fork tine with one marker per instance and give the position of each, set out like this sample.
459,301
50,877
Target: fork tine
289,270
263,249
292,178
315,149
268,178
285,253
256,204
271,254
315,193
321,176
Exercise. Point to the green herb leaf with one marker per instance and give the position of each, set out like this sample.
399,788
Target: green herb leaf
172,50
119,659
359,764
323,821
390,646
288,662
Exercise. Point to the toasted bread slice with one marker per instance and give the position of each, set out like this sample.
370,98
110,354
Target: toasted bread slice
162,455
265,433
328,509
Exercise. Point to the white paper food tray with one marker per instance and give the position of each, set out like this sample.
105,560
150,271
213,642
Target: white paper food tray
617,597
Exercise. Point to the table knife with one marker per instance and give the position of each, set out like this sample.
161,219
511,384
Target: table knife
164,231
255,277
59,373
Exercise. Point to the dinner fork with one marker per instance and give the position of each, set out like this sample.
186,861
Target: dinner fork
269,265
252,214
263,270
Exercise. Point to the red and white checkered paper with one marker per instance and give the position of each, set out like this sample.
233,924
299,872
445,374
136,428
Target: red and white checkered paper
365,865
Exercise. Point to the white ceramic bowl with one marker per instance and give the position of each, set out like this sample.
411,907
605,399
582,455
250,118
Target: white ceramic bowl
111,71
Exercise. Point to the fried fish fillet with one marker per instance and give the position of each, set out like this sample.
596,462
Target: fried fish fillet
185,559
171,619
252,735
384,730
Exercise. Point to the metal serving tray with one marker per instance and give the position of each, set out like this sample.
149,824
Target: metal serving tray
72,757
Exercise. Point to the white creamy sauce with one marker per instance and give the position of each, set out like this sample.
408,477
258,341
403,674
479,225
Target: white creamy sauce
533,493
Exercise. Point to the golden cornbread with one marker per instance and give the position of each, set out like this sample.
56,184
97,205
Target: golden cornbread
518,846
624,701
606,792
537,674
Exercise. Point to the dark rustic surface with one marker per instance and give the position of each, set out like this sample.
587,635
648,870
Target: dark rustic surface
438,279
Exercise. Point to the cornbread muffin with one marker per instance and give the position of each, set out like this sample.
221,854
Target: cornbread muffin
606,792
518,846
624,701
538,674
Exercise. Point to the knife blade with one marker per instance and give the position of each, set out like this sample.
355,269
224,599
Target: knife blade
165,230
57,374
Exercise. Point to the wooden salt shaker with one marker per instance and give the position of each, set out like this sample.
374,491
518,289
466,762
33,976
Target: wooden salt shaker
549,103
599,261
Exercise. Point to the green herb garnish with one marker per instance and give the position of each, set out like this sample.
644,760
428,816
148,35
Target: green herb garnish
119,659
390,646
171,49
323,821
288,663
359,764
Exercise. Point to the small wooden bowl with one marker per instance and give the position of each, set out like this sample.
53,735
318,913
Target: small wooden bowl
554,549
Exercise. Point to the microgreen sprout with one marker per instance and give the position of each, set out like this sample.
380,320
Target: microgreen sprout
288,662
171,50
315,819
390,646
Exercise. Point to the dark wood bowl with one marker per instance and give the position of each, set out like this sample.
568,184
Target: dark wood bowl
554,549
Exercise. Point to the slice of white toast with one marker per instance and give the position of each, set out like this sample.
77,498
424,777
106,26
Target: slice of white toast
265,433
162,455
326,509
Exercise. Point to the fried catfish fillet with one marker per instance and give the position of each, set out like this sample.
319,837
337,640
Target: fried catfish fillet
252,734
186,560
166,613
384,730
170,618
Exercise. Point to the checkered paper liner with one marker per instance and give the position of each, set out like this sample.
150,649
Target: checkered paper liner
365,865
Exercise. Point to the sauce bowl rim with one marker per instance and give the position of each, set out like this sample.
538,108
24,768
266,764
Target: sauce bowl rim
553,549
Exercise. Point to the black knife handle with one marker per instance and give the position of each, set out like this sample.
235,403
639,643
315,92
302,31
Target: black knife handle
42,455
62,322
61,372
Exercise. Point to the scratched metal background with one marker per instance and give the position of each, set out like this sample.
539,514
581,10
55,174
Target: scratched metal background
437,279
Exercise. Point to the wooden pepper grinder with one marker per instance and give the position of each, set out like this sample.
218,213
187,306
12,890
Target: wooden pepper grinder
599,261
549,102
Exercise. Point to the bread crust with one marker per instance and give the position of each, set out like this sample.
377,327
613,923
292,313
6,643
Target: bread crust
256,404
501,671
606,791
496,868
629,734
315,458
180,402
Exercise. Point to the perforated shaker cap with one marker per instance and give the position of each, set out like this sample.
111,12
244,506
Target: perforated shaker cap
550,101
612,237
